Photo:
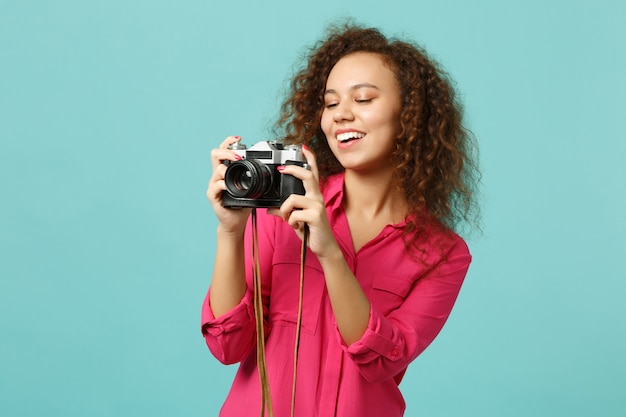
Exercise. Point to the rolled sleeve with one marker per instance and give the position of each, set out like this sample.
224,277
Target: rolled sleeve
378,340
231,336
391,342
379,352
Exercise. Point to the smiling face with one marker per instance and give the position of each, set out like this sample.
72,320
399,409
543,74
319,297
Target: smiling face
361,117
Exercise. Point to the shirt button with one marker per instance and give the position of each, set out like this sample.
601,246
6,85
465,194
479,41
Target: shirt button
395,353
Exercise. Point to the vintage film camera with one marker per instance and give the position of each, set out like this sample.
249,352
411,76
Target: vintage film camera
255,182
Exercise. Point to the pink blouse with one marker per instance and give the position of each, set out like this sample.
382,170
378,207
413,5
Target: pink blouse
411,298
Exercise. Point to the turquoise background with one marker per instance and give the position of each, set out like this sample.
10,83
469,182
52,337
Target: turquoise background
109,110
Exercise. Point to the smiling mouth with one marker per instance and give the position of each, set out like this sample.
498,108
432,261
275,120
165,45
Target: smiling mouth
349,136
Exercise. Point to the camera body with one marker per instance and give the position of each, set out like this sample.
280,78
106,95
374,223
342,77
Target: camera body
255,181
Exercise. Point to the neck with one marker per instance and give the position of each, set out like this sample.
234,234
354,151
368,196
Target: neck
372,196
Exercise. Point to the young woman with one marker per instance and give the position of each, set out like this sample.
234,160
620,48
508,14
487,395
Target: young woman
391,178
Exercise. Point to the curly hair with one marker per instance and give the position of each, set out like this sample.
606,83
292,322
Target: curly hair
435,156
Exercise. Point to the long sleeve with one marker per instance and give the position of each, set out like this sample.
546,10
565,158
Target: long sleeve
411,298
232,337
394,338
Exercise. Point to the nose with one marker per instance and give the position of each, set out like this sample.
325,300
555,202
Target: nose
343,111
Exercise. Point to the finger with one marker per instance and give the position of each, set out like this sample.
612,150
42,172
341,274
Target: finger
296,170
229,141
310,160
218,156
215,189
297,219
293,203
219,171
223,153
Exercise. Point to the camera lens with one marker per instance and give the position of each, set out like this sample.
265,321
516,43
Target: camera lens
248,179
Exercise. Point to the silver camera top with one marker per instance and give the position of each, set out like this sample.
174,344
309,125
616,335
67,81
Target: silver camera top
269,152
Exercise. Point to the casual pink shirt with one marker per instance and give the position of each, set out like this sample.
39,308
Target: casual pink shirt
410,301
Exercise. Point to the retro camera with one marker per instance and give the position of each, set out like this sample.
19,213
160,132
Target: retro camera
255,181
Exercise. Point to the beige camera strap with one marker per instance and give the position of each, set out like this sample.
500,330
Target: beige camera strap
305,238
266,398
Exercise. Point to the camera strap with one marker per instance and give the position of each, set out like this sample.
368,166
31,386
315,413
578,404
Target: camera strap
305,238
266,398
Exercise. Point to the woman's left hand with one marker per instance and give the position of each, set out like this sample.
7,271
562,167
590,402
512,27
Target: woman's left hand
308,208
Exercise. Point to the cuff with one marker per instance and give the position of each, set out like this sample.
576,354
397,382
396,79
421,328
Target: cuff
236,318
378,340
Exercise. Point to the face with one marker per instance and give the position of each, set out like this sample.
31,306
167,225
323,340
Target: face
361,117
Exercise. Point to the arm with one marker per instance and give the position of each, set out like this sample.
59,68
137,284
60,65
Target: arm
350,305
226,308
228,281
392,341
232,335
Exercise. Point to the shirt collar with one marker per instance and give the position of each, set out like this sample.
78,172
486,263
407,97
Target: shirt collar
333,190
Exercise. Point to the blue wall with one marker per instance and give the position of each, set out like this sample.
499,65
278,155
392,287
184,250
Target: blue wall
108,112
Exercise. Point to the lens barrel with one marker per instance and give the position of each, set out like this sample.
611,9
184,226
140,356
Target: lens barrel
248,179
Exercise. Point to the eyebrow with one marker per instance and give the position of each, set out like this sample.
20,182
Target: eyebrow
354,87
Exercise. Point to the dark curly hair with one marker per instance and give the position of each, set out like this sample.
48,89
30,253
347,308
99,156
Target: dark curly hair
435,156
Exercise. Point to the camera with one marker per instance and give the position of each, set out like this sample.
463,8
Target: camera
254,181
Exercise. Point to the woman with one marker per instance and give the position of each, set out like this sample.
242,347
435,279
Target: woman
391,177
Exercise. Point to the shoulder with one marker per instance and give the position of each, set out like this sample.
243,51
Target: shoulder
436,244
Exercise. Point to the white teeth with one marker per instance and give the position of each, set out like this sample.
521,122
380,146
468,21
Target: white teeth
342,137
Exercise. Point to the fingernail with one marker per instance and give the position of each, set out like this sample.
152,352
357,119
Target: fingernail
305,147
238,157
280,168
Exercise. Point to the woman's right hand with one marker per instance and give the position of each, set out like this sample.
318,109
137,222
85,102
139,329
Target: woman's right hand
230,220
